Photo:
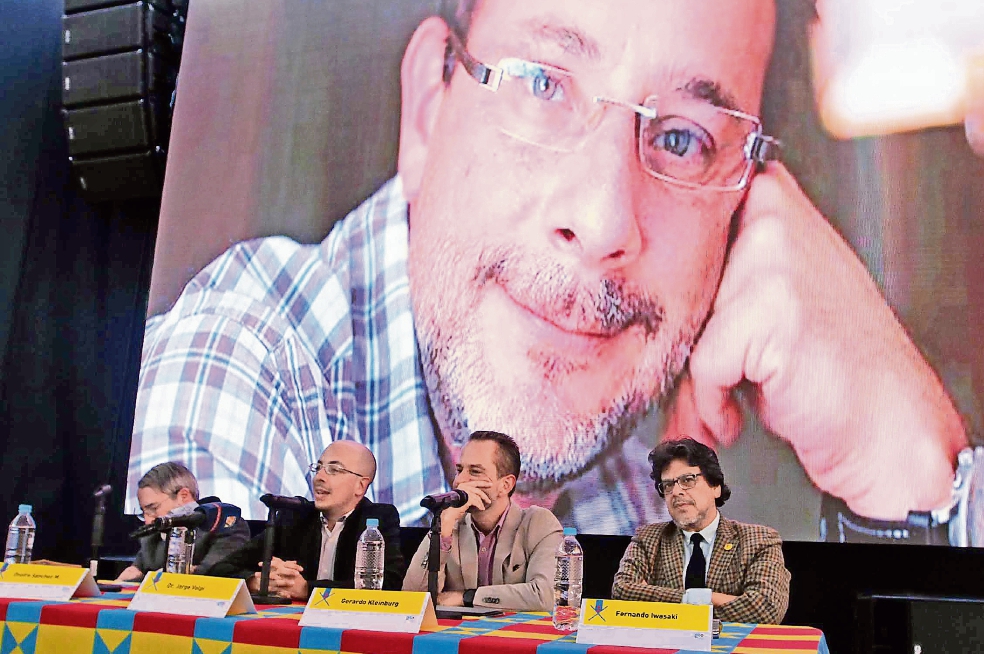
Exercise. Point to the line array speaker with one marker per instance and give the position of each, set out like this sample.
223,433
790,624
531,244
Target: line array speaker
119,72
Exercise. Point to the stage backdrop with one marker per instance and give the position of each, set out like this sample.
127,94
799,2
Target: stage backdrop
287,117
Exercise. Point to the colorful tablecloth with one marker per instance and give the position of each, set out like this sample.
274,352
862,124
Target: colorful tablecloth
104,626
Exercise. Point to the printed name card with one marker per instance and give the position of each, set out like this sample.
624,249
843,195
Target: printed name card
377,610
46,582
208,597
658,624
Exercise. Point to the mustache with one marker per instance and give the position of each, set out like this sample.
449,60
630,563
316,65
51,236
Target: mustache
604,308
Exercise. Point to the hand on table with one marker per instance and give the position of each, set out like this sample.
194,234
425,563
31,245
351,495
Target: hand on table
801,325
451,598
131,573
285,580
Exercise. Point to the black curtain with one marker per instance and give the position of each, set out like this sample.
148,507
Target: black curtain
73,282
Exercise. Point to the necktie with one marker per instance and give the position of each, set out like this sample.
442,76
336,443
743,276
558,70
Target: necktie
697,566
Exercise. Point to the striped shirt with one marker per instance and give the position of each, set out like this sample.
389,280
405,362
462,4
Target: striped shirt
276,349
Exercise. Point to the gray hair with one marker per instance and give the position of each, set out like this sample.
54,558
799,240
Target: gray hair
170,478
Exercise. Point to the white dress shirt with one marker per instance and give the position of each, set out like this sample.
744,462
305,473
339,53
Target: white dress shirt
329,542
709,533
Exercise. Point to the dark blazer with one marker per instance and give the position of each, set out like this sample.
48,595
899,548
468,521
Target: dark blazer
299,539
746,562
210,546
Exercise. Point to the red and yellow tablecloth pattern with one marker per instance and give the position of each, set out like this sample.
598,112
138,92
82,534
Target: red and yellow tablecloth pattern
104,626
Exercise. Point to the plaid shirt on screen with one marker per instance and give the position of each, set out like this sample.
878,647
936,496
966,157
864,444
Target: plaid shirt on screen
276,349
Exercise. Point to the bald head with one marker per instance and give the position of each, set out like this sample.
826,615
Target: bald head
347,469
354,456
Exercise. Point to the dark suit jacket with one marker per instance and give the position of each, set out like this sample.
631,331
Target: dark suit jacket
299,539
746,562
210,547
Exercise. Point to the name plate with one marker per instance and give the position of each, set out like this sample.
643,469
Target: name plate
208,597
46,582
376,610
657,624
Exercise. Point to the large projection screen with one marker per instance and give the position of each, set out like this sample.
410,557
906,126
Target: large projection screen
288,117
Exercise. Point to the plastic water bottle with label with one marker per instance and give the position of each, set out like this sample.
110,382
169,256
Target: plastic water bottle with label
369,556
567,582
20,536
180,551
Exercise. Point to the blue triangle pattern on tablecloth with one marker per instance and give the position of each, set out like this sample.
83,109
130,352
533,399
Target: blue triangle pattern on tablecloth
99,646
28,645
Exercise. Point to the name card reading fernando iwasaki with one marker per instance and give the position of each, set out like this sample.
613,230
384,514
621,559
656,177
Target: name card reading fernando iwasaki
209,597
46,582
376,610
658,624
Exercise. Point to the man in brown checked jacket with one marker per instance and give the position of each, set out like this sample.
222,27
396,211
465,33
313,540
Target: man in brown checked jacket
745,580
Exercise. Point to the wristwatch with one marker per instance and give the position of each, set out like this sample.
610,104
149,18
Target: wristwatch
959,522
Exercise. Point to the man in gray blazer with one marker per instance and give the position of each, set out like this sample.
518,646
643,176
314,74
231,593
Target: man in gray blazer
493,552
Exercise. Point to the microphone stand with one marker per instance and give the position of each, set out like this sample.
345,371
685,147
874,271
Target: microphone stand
269,533
434,566
98,526
98,521
434,555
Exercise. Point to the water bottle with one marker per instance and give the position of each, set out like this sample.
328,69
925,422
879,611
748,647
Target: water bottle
369,556
20,536
567,582
180,551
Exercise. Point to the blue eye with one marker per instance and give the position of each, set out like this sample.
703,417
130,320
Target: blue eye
546,87
679,148
679,142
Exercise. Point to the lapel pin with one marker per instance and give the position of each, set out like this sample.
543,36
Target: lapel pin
728,547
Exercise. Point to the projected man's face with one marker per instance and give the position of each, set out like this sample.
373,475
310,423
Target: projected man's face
557,286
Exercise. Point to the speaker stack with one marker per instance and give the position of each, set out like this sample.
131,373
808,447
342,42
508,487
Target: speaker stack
119,70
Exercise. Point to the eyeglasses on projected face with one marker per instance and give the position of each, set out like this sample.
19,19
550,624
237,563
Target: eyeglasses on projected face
682,140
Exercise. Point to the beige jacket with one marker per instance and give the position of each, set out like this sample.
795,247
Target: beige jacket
523,567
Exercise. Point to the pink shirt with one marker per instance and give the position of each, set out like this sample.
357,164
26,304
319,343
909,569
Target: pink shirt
486,550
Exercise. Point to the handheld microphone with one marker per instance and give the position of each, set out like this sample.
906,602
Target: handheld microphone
282,502
440,501
217,516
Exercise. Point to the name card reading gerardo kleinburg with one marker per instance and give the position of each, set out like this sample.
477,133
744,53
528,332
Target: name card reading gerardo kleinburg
377,610
45,582
657,624
209,597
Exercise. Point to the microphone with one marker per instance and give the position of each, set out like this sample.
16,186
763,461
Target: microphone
282,502
102,491
217,516
440,501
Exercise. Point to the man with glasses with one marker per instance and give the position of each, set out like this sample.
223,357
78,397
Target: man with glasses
315,545
702,557
588,216
169,489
